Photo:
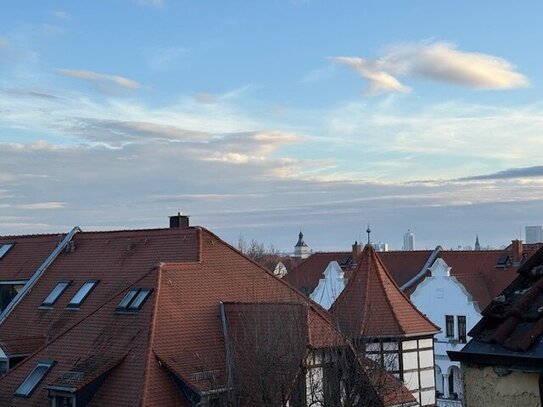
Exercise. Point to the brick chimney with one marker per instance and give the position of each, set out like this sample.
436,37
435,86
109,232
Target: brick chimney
517,250
179,221
357,251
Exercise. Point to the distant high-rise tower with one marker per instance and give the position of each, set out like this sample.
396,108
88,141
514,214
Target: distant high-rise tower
477,244
301,249
409,241
534,234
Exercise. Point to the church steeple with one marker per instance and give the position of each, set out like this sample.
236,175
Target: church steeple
477,244
301,249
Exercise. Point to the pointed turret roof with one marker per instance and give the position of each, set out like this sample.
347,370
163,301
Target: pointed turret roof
372,304
300,242
477,244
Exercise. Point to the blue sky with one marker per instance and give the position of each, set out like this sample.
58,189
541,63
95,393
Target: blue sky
263,118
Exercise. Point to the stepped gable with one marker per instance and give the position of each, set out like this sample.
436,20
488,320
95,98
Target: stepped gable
372,304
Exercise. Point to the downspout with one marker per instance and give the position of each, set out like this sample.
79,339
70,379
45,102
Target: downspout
228,351
38,273
422,272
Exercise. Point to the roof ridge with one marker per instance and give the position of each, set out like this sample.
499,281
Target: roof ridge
151,336
298,294
403,294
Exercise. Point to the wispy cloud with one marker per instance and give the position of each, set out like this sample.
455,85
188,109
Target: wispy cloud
379,80
167,58
42,205
101,81
61,15
438,61
526,172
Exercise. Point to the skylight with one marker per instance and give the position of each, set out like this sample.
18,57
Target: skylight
80,296
5,248
55,294
34,378
134,299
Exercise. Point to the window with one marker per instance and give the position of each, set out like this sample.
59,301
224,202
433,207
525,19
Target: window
4,248
55,294
449,326
134,299
80,296
34,378
461,320
63,401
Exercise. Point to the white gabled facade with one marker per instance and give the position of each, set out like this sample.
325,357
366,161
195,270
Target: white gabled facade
330,286
446,302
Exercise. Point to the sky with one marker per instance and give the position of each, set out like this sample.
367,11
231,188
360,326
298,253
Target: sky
263,118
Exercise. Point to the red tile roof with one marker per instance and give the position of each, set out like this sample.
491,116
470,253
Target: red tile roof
372,304
514,319
28,253
174,342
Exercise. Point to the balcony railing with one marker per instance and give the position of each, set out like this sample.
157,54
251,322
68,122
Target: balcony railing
441,402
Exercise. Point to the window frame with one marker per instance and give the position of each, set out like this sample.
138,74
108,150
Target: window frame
134,294
77,305
3,251
462,328
45,304
449,326
48,364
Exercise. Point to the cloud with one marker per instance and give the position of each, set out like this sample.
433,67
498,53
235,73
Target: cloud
61,15
438,61
379,80
167,58
43,205
526,172
102,81
206,98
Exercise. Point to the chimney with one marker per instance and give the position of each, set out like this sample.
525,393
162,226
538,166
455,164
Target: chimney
179,221
517,250
357,251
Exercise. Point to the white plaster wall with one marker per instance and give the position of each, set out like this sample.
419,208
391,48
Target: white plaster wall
441,294
330,286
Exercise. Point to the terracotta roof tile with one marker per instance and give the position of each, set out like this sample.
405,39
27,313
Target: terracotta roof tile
373,305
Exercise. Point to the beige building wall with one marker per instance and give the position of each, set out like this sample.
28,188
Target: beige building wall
483,387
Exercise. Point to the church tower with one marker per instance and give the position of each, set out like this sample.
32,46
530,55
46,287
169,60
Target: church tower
477,244
301,249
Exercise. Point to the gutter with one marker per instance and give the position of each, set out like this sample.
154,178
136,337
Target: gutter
422,272
38,273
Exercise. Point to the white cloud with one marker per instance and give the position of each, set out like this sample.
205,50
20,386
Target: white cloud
100,78
42,205
438,61
442,62
379,80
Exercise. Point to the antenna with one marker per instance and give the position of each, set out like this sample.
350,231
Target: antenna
368,231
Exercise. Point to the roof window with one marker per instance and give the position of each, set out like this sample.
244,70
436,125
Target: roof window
83,292
55,294
502,261
34,378
134,299
6,247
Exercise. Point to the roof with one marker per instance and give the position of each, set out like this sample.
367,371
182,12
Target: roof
477,271
511,330
27,254
170,351
372,304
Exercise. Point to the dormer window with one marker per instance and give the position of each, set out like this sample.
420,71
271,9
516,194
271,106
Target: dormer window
5,248
83,292
34,378
134,299
55,294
